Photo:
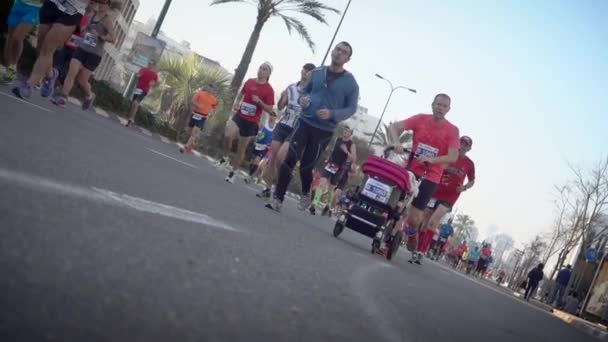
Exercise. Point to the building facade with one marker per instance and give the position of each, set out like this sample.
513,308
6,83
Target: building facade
109,69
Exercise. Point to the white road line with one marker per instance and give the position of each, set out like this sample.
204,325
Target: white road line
110,198
11,96
102,112
174,159
145,131
165,140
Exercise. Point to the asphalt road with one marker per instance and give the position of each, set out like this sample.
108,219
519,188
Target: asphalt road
107,234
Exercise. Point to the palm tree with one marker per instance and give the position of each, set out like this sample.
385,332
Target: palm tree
281,9
180,78
464,227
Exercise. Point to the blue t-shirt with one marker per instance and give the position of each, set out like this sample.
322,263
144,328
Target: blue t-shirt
445,231
264,138
474,255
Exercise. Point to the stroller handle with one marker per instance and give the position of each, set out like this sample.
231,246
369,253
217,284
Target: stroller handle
389,149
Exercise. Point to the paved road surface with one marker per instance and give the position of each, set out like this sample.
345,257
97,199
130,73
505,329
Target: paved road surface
107,234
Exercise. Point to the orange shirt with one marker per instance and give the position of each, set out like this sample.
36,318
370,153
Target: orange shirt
205,102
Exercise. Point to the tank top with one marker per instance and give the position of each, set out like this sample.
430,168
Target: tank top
338,156
264,137
293,109
90,40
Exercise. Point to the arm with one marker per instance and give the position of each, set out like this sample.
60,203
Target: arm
352,100
353,153
110,37
282,100
394,131
237,102
267,108
451,157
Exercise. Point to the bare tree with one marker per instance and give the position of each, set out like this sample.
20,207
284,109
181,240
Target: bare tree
586,204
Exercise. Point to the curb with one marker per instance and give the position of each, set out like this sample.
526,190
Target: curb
589,328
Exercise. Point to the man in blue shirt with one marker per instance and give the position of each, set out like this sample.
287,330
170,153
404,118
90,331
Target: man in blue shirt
561,282
445,232
330,97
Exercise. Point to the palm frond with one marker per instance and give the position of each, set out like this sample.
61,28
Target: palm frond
293,23
221,2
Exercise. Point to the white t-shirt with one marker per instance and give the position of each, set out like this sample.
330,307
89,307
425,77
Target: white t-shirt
71,7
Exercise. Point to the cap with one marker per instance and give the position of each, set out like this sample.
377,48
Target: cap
308,66
467,139
269,65
212,85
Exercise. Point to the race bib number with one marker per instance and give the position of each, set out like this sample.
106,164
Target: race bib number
197,116
75,40
248,109
260,147
90,39
432,203
442,239
138,91
331,168
377,190
426,150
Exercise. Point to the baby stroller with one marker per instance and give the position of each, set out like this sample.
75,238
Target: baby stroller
379,201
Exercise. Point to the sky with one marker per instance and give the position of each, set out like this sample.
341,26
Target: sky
527,80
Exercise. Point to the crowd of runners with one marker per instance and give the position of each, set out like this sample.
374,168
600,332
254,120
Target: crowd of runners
71,39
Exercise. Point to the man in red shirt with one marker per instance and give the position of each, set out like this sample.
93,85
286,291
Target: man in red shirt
255,97
146,79
435,143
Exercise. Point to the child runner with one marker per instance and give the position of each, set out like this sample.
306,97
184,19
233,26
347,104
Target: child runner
262,144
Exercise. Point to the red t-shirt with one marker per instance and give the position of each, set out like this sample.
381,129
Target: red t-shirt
249,110
453,177
146,76
432,139
486,252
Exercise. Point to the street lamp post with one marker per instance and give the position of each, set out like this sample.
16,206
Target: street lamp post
386,105
336,32
161,18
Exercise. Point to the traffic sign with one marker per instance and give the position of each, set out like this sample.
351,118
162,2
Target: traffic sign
591,255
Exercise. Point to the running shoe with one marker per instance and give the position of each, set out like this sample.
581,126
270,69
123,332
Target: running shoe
9,76
48,83
275,205
265,194
248,180
60,101
129,123
305,202
312,210
230,178
23,91
88,102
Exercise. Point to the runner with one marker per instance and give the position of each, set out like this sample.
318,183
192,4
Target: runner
435,142
262,144
445,232
63,56
331,96
460,251
255,97
21,20
146,79
58,20
473,258
289,104
204,103
335,173
87,56
484,260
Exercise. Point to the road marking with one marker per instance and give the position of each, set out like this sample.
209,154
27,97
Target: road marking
165,140
145,131
174,159
11,96
110,198
102,112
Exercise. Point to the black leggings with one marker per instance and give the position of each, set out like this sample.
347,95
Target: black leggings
306,144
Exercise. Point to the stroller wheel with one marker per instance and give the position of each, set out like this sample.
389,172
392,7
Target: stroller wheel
375,246
394,245
338,228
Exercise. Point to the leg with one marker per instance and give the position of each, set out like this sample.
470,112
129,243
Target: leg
240,152
315,146
268,175
75,66
231,131
253,167
294,150
16,42
133,109
52,40
83,79
194,133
